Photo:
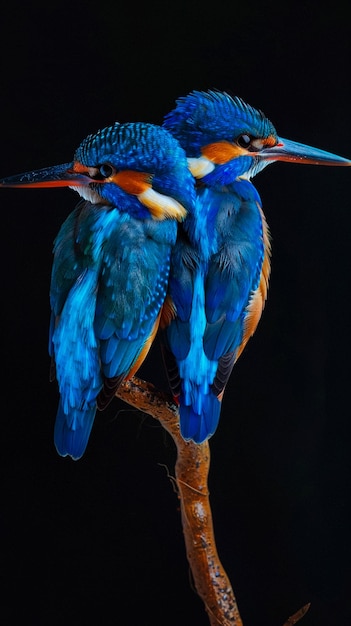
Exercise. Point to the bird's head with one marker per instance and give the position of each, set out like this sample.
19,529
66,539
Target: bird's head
138,167
225,138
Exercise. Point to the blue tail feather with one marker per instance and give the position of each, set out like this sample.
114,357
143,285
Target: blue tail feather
200,426
72,438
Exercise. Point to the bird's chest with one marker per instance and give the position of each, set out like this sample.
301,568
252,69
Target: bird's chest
113,236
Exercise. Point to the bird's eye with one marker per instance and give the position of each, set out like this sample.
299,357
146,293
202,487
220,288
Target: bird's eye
106,170
244,141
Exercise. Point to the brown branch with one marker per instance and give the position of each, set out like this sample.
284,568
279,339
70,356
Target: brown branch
191,470
293,619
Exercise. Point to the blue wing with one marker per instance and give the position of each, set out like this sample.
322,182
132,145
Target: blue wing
218,289
132,289
109,280
72,342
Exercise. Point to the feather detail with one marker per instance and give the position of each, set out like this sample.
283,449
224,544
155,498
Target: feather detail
160,206
258,298
168,312
200,167
111,384
77,367
199,426
72,438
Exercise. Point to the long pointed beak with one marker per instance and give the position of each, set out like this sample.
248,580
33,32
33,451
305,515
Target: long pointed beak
287,150
56,176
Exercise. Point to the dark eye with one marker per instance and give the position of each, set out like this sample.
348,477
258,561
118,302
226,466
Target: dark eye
106,170
244,141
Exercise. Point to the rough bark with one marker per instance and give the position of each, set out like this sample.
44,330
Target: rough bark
191,476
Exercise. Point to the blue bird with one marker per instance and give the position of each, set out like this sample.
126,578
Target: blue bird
111,264
221,263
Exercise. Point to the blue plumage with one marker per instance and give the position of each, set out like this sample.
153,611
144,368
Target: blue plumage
140,217
111,264
221,263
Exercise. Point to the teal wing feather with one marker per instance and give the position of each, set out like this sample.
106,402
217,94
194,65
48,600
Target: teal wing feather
72,342
132,289
109,281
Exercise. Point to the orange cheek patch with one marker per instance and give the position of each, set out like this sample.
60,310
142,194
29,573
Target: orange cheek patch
86,170
270,142
78,167
132,182
221,152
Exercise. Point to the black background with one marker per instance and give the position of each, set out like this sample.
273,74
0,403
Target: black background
89,541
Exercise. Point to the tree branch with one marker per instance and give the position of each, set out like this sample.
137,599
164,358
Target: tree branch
191,471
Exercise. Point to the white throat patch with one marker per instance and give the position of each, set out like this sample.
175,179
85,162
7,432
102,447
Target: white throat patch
89,194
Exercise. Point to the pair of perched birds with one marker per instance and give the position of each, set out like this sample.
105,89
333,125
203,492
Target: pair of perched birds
169,235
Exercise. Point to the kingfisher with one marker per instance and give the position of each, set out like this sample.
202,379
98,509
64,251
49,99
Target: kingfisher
220,265
111,264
